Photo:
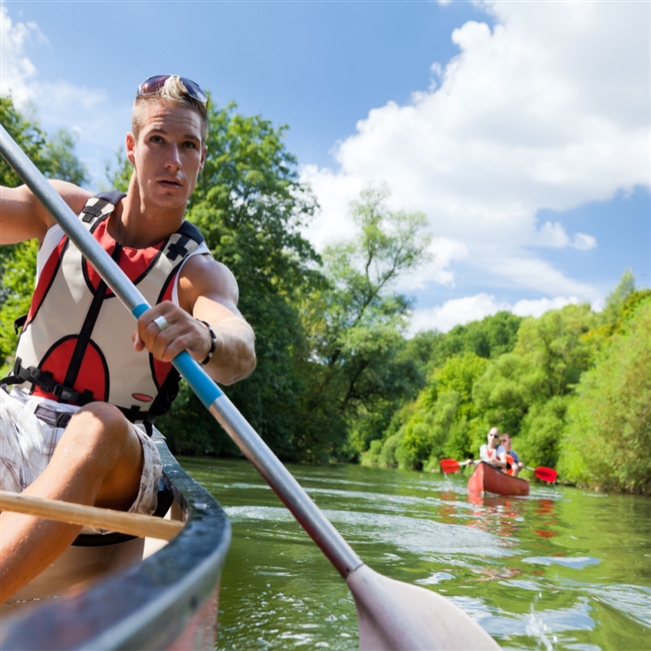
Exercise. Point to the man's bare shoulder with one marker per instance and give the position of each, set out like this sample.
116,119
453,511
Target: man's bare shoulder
72,194
202,275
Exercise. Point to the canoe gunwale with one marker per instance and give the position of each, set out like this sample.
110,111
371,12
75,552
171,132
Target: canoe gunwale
148,605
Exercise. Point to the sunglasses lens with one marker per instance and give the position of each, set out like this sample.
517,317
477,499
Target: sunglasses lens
154,84
194,90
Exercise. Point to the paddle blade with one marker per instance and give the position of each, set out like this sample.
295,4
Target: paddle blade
449,465
399,616
546,474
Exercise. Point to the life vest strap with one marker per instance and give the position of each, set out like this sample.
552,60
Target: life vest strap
45,381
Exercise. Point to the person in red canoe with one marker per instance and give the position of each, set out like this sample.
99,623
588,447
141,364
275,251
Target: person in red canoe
76,412
511,455
492,452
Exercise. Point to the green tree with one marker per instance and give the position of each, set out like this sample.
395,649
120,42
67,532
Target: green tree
444,416
31,139
56,159
489,338
356,325
18,281
28,136
607,443
525,392
62,162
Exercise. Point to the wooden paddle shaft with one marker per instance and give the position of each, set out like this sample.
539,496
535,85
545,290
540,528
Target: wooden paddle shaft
133,524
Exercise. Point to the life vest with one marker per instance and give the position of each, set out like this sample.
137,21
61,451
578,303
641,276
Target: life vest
75,345
509,464
491,453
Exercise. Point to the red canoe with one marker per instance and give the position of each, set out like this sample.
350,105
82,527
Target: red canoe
488,479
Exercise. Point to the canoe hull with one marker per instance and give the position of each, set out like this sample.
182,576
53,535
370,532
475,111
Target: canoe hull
488,479
166,601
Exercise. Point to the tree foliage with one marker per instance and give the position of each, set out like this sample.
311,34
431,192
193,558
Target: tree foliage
355,325
55,157
489,338
568,380
524,391
444,420
607,442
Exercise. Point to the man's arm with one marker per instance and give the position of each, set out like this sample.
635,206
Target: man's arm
207,292
23,217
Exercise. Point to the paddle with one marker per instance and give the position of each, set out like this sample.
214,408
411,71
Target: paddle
392,615
544,474
452,465
134,524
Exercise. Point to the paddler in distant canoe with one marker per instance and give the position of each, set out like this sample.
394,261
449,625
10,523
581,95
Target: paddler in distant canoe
86,387
492,452
512,458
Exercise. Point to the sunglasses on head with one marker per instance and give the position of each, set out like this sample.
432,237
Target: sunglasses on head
154,84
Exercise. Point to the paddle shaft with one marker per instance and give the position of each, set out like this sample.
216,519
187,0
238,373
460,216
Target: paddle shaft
311,518
134,524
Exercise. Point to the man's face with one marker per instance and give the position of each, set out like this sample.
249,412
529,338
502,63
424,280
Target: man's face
167,155
506,443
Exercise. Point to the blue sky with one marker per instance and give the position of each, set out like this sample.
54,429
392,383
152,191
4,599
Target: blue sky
522,130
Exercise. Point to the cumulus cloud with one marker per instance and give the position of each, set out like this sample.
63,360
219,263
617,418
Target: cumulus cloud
460,311
84,110
16,70
583,241
444,252
535,113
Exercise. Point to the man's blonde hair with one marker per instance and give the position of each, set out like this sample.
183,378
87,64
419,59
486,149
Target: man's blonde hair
174,91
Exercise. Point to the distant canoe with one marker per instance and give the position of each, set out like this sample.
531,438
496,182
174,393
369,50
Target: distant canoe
488,479
108,597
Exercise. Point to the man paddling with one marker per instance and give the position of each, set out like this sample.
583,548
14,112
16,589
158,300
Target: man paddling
75,416
512,457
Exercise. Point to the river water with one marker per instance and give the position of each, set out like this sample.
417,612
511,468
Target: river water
560,569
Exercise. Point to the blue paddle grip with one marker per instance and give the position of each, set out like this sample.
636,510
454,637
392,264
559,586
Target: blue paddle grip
200,382
139,309
205,388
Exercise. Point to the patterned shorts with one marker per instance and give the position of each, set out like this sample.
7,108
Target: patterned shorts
27,445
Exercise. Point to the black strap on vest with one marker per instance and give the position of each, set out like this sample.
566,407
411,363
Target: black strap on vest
91,213
43,380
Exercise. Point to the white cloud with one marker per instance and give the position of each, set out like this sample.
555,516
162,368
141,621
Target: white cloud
583,242
553,235
460,311
444,252
538,113
16,70
86,111
532,273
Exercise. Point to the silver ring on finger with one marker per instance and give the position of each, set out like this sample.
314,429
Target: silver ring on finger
161,322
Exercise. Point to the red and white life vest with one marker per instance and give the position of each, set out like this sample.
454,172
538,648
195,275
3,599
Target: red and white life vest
76,346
